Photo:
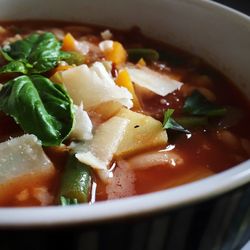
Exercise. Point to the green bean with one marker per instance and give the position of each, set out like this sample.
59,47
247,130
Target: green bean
138,53
75,57
192,121
75,182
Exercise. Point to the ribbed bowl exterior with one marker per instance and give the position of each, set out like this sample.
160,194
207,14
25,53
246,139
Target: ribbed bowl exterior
222,223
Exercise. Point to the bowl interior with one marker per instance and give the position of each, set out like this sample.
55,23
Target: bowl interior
217,34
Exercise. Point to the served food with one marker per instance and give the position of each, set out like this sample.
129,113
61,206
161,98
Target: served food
90,114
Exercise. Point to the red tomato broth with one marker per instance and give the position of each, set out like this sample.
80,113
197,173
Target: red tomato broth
203,153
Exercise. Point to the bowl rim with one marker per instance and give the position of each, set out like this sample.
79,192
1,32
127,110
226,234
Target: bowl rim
136,205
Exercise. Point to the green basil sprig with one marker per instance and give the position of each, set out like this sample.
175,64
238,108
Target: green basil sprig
170,123
36,53
39,106
197,104
198,111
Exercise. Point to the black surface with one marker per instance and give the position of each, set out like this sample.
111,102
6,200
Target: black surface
241,5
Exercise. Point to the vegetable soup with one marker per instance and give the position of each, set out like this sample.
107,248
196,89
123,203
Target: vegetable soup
91,114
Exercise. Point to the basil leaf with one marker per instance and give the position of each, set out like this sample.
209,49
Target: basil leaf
40,107
14,67
170,123
197,104
40,51
5,55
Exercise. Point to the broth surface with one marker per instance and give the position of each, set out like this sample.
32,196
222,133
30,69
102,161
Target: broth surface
203,152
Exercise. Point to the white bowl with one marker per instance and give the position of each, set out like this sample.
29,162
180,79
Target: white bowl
216,33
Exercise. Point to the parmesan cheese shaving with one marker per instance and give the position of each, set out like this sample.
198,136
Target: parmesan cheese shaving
82,129
160,84
93,86
22,156
99,152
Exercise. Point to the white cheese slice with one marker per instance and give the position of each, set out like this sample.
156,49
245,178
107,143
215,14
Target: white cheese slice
160,84
22,156
93,86
82,129
99,152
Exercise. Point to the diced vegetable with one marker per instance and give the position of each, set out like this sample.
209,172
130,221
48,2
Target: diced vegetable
69,43
93,86
143,132
197,104
136,54
20,159
76,182
39,106
76,49
170,123
82,129
117,54
99,152
160,84
123,80
37,53
75,58
141,63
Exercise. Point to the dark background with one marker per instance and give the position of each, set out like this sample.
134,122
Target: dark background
241,5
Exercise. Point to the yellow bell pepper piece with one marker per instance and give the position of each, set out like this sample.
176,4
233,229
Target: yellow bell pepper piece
117,54
69,43
123,80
